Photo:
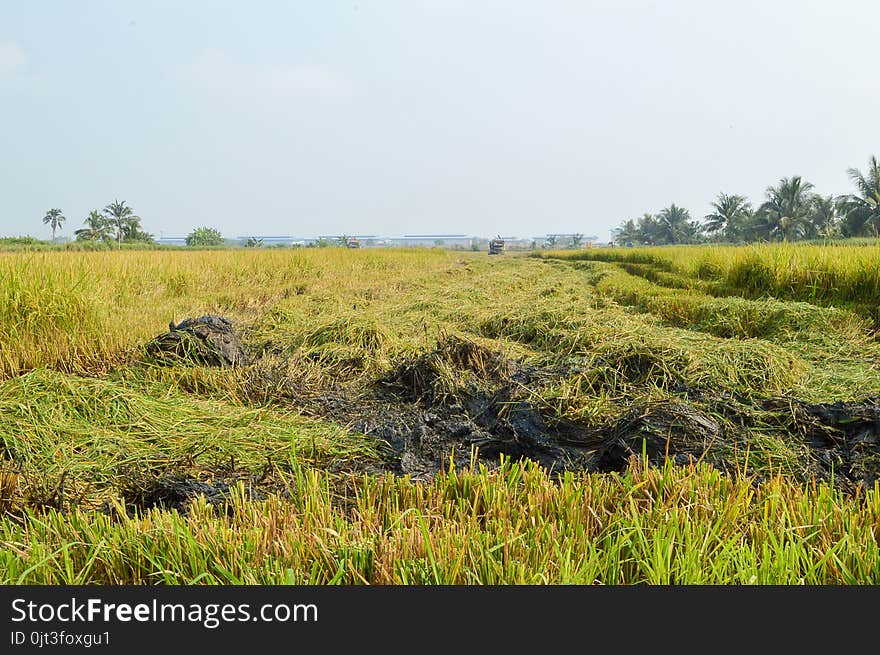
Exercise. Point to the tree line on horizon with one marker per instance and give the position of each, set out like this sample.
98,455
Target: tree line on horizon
116,222
791,211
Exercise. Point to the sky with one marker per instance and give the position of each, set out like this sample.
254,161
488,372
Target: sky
410,117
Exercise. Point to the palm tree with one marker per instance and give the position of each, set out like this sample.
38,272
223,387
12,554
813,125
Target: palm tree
120,216
674,225
132,231
627,232
861,211
97,228
647,230
824,217
55,219
730,211
786,213
743,227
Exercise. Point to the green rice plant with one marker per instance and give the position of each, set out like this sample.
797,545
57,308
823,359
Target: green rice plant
735,317
845,274
514,525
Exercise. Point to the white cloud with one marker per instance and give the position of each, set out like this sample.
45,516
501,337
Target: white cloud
215,71
13,60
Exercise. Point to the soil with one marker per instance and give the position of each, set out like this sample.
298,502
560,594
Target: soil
462,402
206,340
427,439
428,426
844,436
177,491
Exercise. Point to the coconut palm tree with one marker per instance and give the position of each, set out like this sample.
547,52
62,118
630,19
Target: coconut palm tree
743,227
54,219
787,211
628,232
728,217
674,225
648,230
824,217
133,232
861,211
120,217
97,228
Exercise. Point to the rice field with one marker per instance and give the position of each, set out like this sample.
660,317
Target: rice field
844,274
690,415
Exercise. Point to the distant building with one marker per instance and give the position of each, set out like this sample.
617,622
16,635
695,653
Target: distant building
275,240
431,240
517,243
365,240
452,241
564,240
171,241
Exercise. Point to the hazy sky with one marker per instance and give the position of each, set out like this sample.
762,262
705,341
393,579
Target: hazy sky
368,117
